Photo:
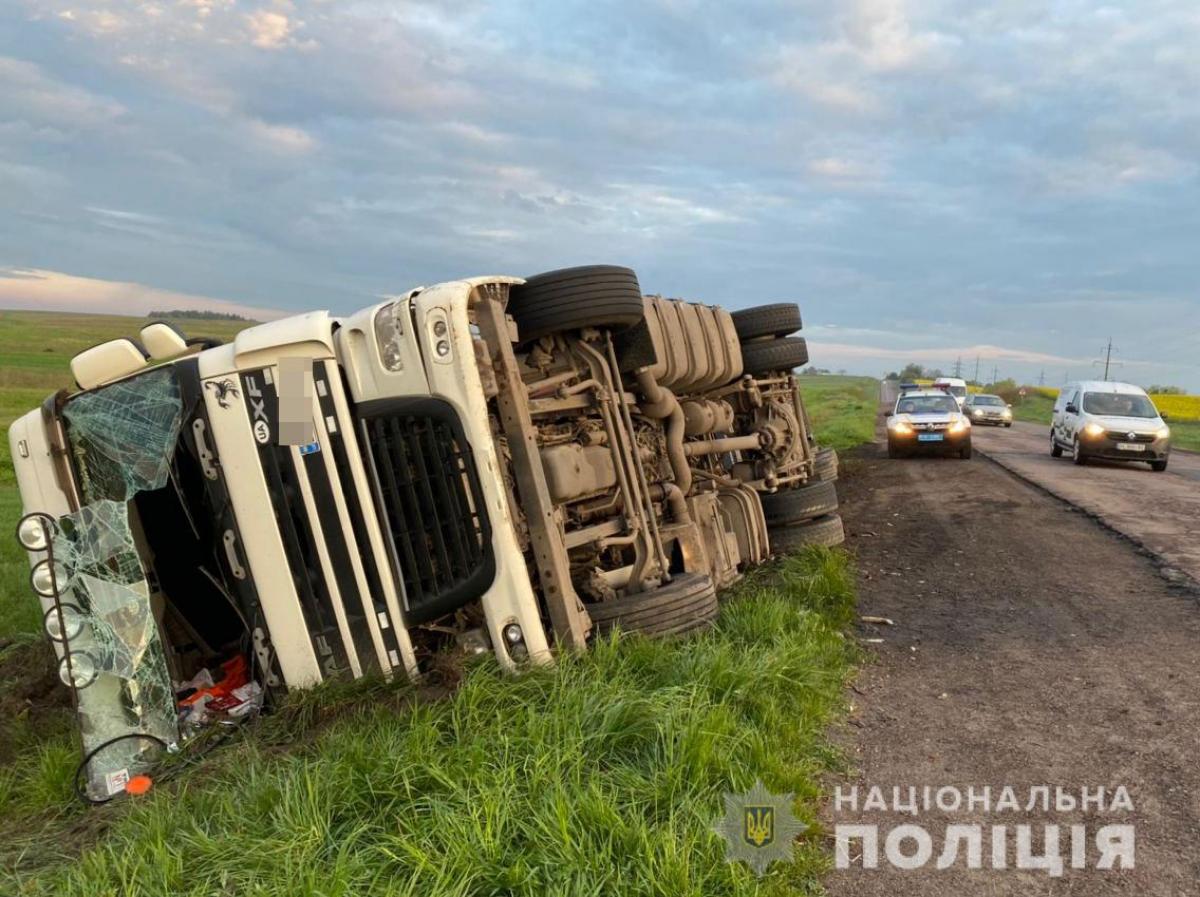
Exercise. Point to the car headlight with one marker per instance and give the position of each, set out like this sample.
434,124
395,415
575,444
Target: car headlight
1007,412
960,425
1163,433
901,428
1093,430
978,412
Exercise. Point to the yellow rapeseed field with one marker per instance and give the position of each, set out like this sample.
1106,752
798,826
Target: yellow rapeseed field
1178,407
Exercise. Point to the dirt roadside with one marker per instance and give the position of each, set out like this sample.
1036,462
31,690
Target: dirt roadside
1032,647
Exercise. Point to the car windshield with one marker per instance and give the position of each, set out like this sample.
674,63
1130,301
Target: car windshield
957,390
987,400
1115,404
926,405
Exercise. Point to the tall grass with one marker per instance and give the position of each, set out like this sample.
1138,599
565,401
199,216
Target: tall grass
843,409
599,776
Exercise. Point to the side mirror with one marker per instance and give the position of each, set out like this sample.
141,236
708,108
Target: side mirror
1009,405
1072,408
1164,415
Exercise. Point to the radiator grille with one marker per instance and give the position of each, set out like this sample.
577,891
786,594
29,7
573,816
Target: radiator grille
431,504
1124,436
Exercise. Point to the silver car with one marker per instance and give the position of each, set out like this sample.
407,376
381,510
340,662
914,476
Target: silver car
1109,421
928,422
987,409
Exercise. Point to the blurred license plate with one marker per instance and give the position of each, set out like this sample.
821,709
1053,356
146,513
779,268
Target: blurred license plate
1130,447
929,437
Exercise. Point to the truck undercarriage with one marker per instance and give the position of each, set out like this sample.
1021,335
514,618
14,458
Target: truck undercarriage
496,464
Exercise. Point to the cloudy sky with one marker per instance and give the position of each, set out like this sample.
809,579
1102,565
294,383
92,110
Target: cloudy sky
1015,180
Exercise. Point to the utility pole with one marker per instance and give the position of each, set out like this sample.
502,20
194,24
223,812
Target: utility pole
976,368
1042,378
1107,362
995,375
958,368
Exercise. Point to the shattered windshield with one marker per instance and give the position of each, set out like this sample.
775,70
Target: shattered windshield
123,436
122,439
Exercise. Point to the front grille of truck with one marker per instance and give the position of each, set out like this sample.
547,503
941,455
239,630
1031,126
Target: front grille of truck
430,502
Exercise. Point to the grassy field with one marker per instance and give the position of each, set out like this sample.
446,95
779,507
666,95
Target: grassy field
602,775
842,408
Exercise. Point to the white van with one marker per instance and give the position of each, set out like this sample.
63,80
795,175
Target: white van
1112,421
953,385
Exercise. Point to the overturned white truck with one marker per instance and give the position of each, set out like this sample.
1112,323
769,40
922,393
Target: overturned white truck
501,464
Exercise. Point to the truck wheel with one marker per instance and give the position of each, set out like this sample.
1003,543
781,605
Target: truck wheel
782,354
893,452
825,465
1055,448
1158,466
965,452
1077,454
766,320
822,531
687,602
572,298
803,503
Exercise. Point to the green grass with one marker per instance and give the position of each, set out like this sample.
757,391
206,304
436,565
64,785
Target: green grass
601,775
1185,434
843,409
1033,408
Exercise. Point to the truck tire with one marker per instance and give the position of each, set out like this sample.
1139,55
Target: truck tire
825,465
796,505
687,602
782,354
779,319
571,298
826,531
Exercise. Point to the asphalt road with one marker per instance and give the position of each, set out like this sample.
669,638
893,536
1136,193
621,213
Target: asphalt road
1031,647
1160,512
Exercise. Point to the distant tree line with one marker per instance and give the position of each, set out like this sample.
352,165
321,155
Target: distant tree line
912,372
197,314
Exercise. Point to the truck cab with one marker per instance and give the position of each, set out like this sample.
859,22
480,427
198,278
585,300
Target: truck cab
491,465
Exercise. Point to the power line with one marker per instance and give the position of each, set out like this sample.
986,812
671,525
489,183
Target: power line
1107,360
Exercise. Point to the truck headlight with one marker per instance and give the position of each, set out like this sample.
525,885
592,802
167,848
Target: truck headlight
82,672
901,428
1093,430
389,335
71,623
48,580
960,425
35,531
1164,433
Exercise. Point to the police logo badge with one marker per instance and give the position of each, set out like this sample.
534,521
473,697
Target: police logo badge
758,827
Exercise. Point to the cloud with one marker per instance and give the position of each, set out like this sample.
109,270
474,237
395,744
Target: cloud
950,173
941,354
55,291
